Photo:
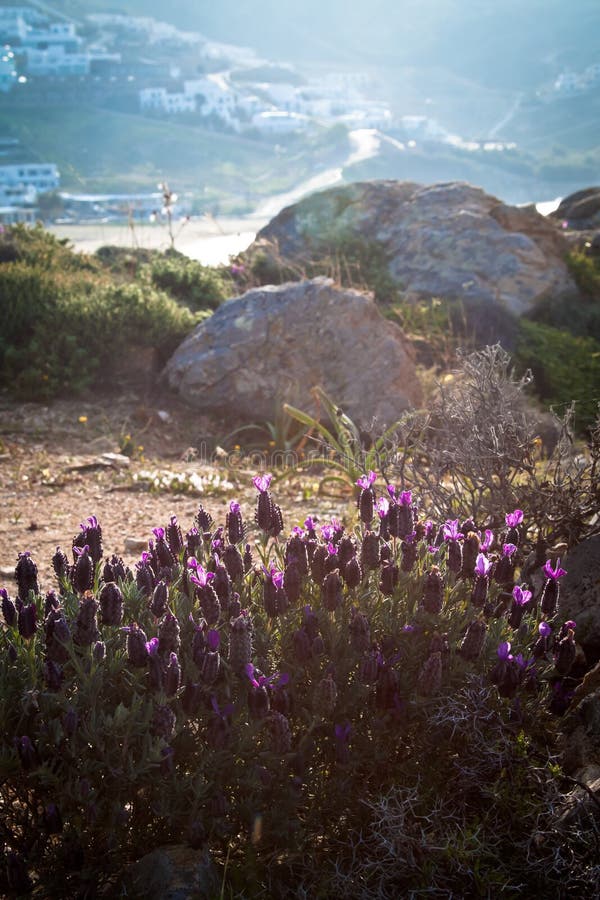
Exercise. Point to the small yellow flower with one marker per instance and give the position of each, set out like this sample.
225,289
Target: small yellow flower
82,419
236,447
271,443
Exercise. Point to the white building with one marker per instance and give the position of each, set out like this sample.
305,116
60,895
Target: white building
54,61
10,215
152,99
22,182
178,102
164,101
8,72
279,122
57,34
17,21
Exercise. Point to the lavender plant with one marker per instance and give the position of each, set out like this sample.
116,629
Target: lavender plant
295,703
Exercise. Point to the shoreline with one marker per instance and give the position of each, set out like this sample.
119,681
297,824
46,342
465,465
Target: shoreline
206,239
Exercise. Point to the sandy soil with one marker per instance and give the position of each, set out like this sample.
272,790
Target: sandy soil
54,474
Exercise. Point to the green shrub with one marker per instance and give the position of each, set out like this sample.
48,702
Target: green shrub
586,271
565,367
40,248
296,712
63,331
199,287
580,317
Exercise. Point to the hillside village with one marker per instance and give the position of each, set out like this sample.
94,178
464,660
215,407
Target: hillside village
159,71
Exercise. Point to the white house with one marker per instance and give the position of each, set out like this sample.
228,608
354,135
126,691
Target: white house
179,102
164,101
55,62
279,122
17,21
57,34
213,97
152,99
22,182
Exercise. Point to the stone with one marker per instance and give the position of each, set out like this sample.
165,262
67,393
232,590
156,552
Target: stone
452,241
582,805
580,210
579,597
135,545
274,344
579,742
175,872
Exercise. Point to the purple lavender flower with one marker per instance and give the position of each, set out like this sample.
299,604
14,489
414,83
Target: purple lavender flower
310,525
482,565
82,574
366,481
331,591
549,601
9,610
26,573
172,680
137,646
27,620
503,650
366,500
514,518
513,521
174,536
553,572
521,597
110,599
262,482
234,523
451,531
201,577
382,506
487,542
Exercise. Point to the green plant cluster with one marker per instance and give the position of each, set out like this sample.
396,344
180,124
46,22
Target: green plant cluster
198,287
66,322
338,713
560,343
565,367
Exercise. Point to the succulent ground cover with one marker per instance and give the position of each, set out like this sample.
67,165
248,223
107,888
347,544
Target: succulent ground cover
365,709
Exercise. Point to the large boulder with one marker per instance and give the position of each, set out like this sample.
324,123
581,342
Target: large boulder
276,343
580,594
580,210
447,240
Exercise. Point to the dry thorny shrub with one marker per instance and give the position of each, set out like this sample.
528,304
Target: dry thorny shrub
483,448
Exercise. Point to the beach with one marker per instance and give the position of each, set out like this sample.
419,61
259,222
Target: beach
209,240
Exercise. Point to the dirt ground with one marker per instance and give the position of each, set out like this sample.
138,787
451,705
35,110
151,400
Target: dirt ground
132,461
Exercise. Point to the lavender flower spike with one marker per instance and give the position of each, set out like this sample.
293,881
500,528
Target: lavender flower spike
521,596
262,482
514,518
365,481
556,573
451,530
504,650
483,565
